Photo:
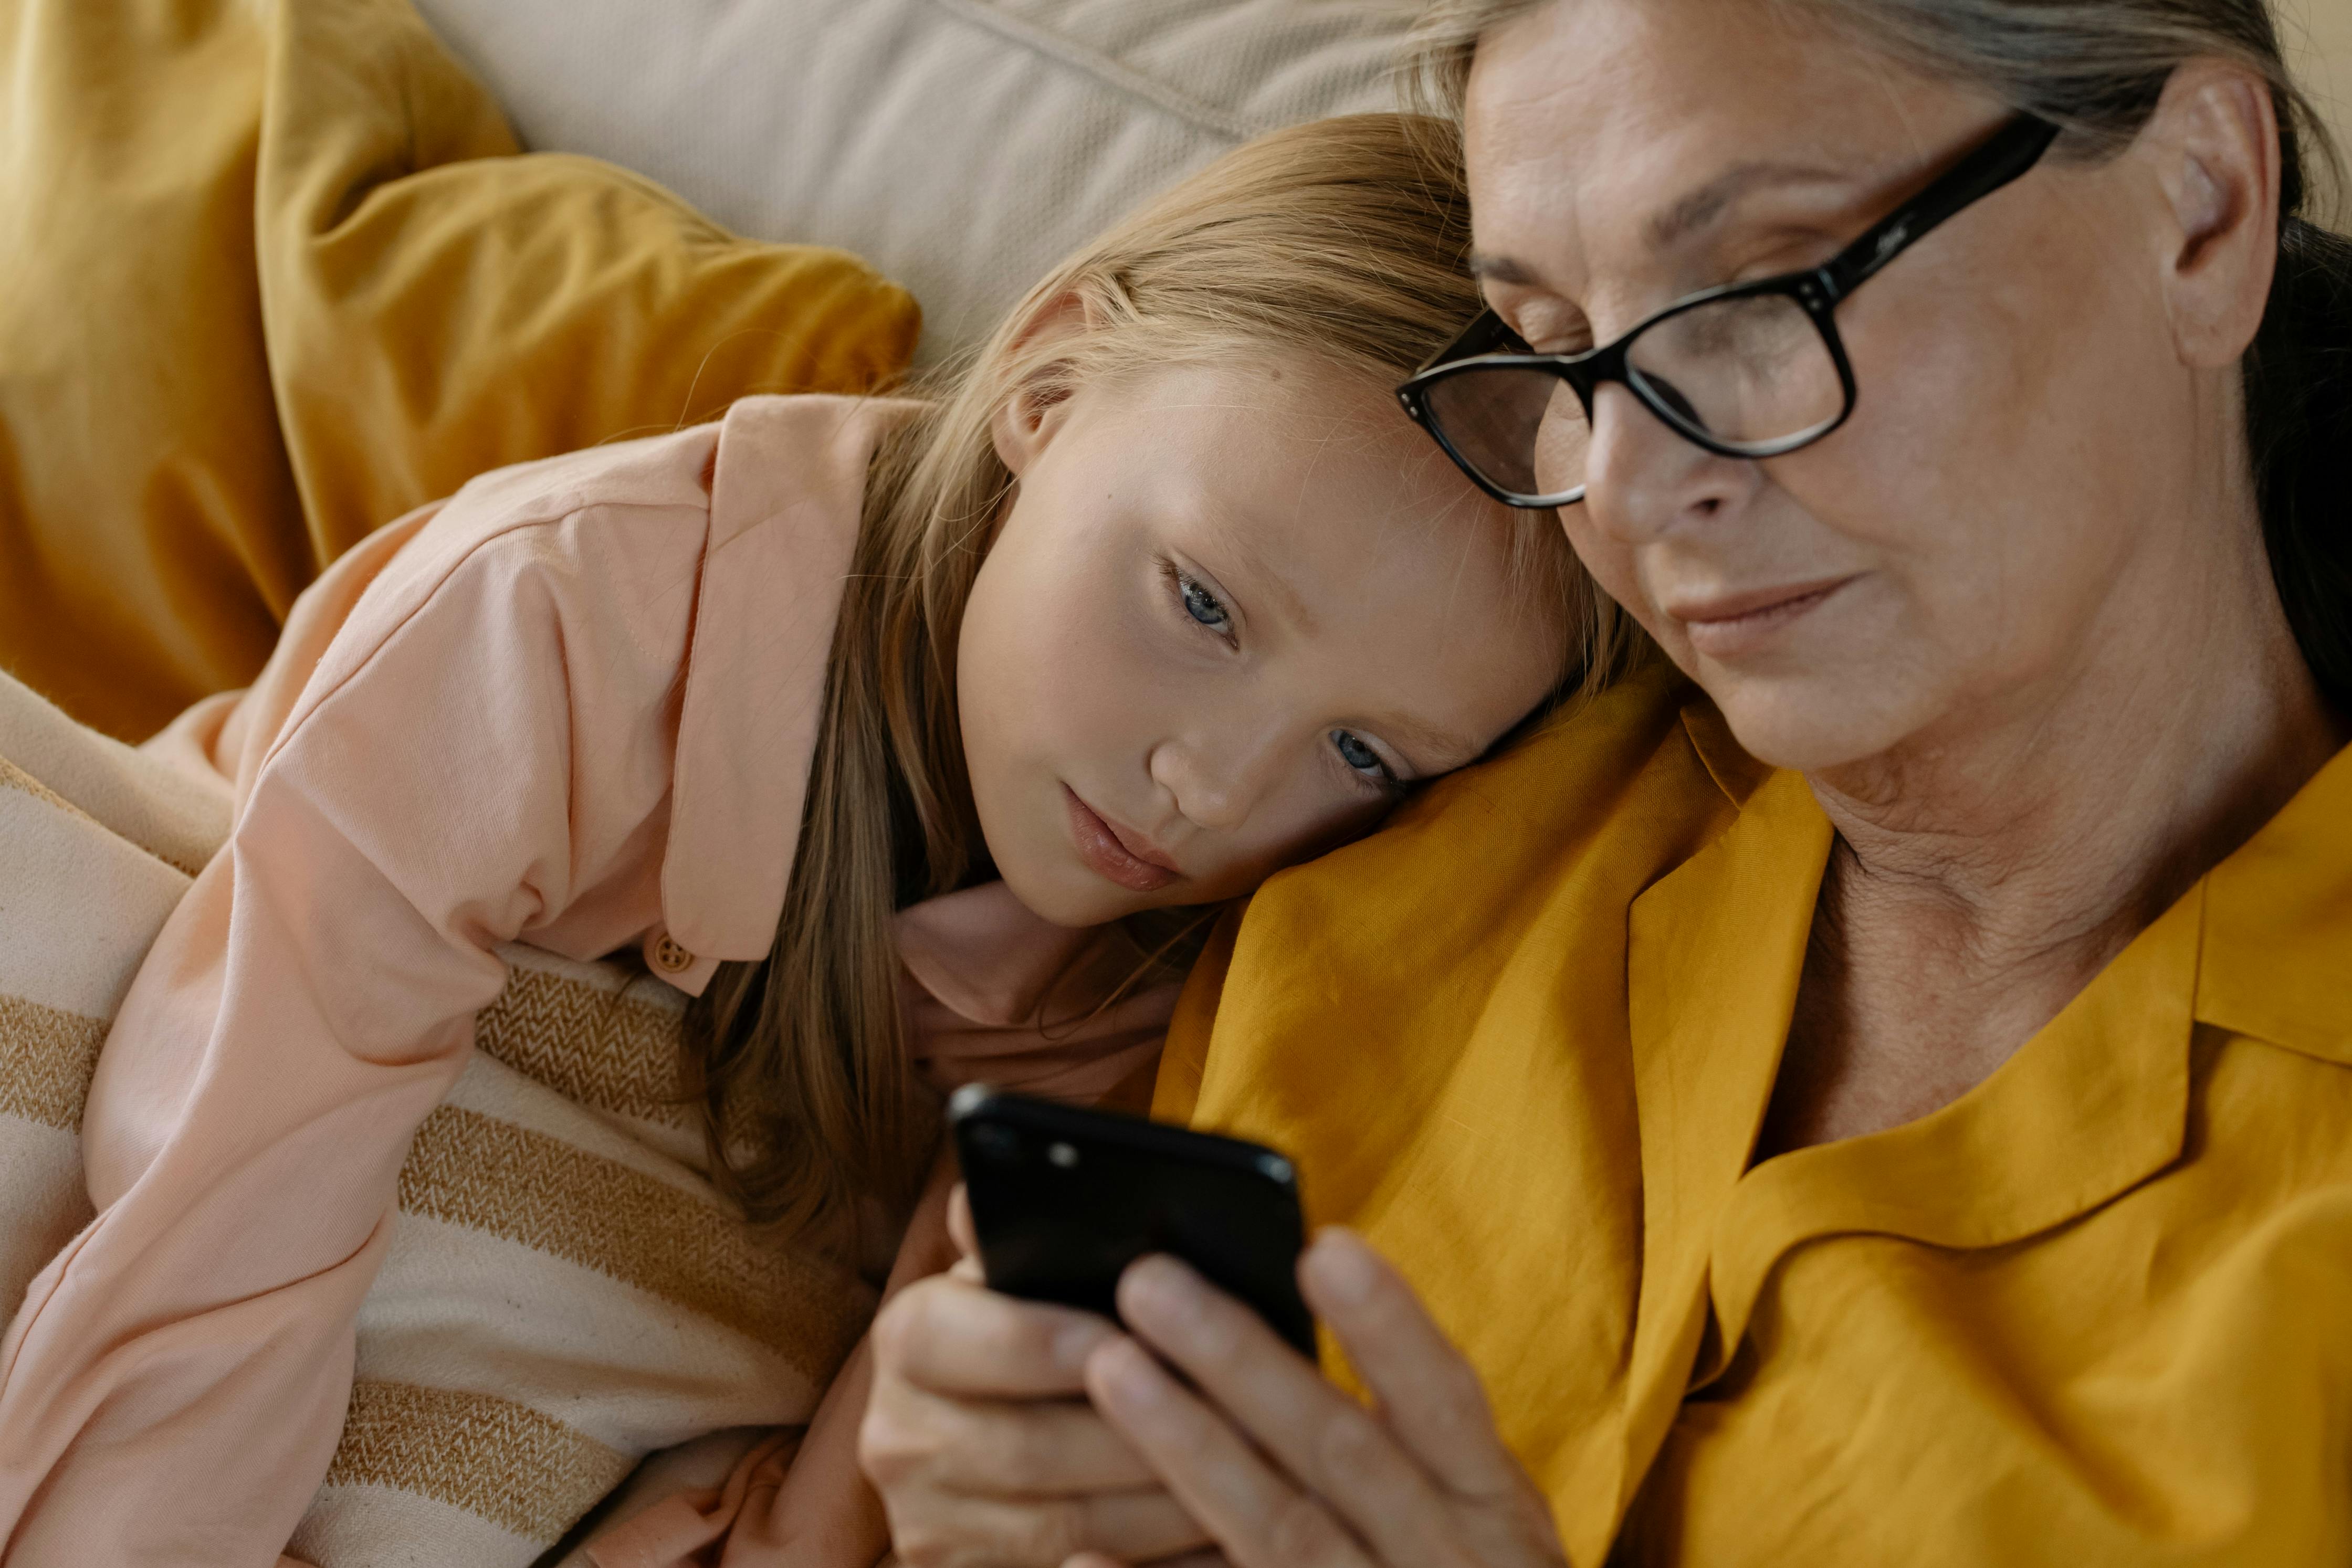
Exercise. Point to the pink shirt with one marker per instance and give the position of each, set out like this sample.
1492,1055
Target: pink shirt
574,706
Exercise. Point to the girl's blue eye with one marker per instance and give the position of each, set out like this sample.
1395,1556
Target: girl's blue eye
1203,606
1356,755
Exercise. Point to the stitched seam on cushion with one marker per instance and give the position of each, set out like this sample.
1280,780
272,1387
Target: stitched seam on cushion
15,778
1123,79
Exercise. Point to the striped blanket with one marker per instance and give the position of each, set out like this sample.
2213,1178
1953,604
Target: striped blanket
564,1293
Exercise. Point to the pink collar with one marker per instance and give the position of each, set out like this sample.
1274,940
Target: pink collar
787,486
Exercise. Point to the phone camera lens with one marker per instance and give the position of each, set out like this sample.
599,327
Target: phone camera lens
1064,1157
996,1142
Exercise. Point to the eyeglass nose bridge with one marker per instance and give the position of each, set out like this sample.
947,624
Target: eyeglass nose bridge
1612,364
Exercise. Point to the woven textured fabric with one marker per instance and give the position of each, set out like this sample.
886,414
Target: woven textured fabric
964,146
564,1293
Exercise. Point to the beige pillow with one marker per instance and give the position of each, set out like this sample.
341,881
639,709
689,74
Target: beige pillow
2318,38
963,146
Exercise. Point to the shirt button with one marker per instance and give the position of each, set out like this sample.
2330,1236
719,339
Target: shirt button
671,958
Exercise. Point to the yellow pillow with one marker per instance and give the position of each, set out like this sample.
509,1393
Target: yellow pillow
273,272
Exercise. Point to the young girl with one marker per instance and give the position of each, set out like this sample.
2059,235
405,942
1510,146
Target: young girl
1160,595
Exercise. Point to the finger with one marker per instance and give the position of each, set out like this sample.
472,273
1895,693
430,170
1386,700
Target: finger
960,1226
1043,1534
1343,1453
983,1449
954,1336
1255,1514
1428,1391
1212,1558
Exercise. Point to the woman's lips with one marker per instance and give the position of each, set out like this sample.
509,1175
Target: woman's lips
1733,623
1115,854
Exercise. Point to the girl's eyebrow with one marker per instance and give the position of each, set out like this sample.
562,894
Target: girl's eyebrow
1253,576
1431,751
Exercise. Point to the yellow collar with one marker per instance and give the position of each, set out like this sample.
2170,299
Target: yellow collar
2094,1104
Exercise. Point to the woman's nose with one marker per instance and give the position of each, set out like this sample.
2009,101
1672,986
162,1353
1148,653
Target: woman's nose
1643,480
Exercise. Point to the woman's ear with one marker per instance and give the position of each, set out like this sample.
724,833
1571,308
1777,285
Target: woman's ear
1026,422
2215,138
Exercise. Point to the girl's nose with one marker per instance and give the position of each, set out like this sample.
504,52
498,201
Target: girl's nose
1217,783
1643,481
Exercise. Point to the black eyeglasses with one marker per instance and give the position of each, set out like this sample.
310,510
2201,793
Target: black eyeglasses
1753,369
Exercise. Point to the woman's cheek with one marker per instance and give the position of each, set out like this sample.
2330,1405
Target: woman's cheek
1611,566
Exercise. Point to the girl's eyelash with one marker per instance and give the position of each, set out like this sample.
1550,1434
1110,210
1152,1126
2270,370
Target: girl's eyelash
1205,608
1379,770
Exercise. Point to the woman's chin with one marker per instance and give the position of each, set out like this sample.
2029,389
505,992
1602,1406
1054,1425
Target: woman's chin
1812,726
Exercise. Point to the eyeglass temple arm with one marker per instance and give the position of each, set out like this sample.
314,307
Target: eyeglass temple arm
2016,147
1487,334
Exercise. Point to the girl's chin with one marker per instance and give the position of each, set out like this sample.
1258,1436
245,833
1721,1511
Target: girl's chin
1069,895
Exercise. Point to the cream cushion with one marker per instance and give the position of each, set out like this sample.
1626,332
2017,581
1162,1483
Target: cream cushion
961,146
2318,38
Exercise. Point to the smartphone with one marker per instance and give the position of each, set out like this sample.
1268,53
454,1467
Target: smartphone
1064,1199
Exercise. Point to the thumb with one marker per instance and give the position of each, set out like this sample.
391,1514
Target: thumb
960,1228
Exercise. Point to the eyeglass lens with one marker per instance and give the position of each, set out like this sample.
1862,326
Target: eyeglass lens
1749,371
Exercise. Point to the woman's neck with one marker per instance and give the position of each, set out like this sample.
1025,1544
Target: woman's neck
1984,874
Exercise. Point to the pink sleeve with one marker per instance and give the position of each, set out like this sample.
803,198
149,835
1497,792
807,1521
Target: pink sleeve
172,1388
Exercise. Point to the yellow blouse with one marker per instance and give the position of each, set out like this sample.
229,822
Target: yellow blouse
2098,1310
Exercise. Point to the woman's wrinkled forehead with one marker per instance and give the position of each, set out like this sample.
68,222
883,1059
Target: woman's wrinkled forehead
1614,145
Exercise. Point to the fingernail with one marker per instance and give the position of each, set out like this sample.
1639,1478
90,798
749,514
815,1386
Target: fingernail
1161,1289
1073,1344
1343,1267
1131,1377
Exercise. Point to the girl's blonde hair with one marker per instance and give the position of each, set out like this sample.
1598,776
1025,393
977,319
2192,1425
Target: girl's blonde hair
1345,239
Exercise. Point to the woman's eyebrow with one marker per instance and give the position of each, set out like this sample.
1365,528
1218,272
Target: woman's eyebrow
1709,202
1500,269
1685,217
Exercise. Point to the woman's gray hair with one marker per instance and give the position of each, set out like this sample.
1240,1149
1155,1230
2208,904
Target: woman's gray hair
2096,69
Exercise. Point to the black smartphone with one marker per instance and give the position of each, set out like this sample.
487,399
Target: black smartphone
1064,1199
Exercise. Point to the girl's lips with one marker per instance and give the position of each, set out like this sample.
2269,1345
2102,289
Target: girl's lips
1105,848
1733,625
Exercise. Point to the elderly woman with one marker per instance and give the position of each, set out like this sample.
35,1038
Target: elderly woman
1881,1089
